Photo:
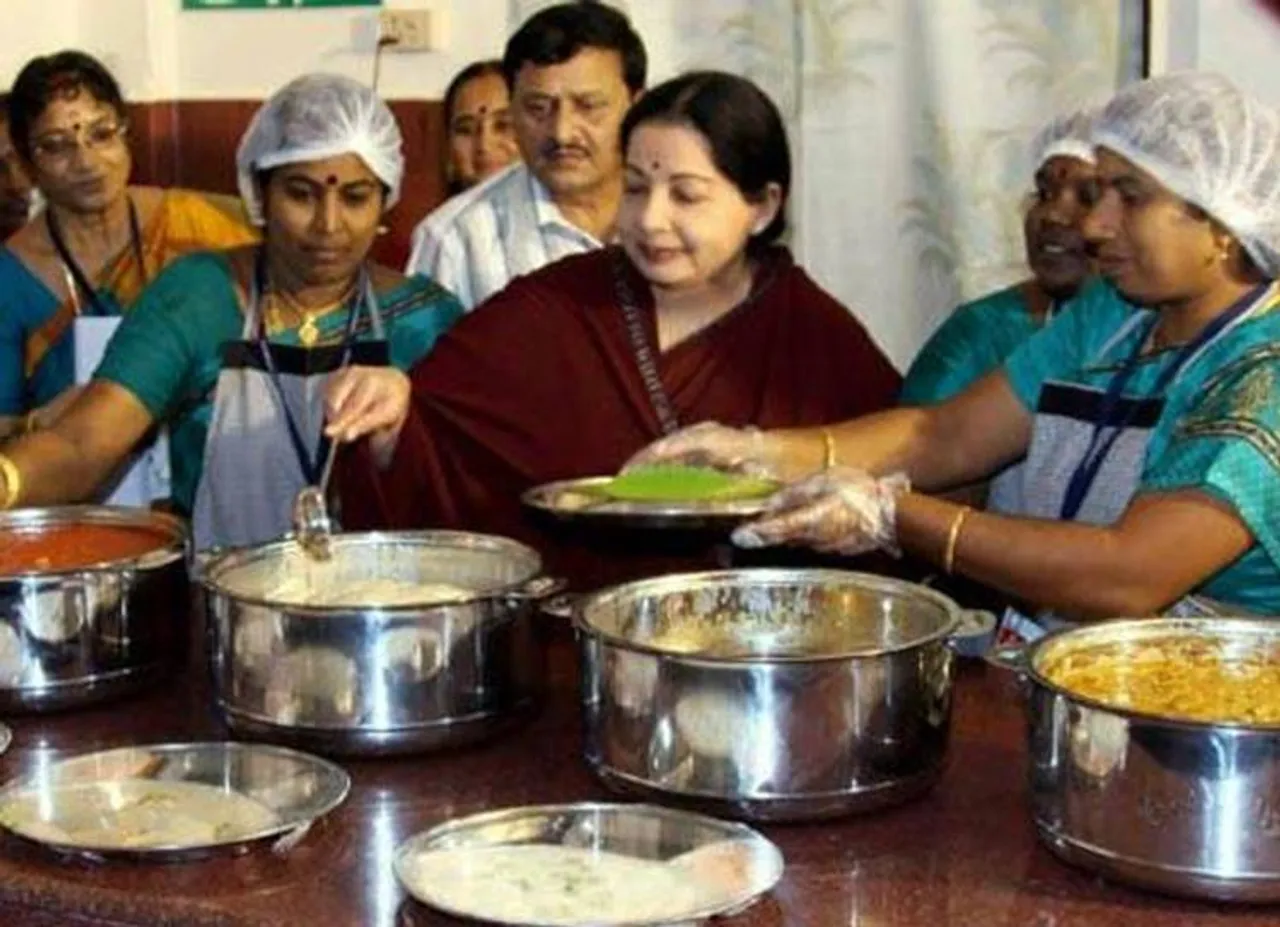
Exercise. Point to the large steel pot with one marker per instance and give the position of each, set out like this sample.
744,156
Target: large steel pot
376,680
768,694
70,638
1182,807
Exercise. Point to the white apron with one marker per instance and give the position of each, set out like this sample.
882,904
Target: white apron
268,413
1089,448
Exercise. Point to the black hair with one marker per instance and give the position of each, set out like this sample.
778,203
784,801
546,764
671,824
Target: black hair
461,79
4,106
469,73
741,125
44,79
556,34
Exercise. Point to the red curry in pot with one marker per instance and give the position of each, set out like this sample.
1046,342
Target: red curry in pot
74,546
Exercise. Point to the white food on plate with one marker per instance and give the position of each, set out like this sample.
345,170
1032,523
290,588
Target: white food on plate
135,814
561,885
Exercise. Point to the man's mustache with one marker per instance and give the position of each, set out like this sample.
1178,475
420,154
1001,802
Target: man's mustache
555,151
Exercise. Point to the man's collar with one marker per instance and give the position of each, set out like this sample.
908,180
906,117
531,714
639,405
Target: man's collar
546,210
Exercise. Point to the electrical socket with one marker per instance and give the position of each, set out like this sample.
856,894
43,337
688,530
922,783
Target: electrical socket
411,30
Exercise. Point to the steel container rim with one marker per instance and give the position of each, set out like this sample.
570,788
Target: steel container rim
675,582
229,559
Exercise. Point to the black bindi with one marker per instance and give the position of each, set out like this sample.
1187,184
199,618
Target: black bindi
331,180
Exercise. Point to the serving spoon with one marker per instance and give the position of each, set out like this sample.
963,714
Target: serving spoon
312,525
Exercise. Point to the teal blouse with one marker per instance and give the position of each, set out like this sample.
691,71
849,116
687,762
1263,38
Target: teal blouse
167,351
1219,432
976,339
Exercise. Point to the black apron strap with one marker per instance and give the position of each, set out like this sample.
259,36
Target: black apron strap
87,290
312,465
1107,420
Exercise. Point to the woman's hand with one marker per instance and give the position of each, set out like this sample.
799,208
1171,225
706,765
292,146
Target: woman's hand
841,511
367,401
709,444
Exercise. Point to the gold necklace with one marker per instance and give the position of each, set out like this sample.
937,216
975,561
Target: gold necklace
309,329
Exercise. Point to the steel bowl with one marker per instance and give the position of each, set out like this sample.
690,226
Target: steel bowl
70,638
376,680
731,864
768,694
1182,807
292,789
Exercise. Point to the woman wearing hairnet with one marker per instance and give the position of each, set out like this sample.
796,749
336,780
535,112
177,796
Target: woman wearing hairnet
979,335
256,358
1151,433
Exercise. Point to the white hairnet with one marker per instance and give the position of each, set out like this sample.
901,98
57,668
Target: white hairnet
1070,135
1209,143
314,117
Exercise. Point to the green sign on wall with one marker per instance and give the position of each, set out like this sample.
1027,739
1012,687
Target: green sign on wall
271,4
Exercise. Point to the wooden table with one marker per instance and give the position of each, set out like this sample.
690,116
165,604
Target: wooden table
964,855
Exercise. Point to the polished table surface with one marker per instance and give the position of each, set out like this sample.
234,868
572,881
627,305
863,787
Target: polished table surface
964,855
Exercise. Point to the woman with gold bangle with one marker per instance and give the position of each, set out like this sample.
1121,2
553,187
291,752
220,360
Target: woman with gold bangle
255,359
1150,429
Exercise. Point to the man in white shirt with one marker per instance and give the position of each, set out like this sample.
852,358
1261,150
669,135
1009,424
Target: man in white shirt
573,70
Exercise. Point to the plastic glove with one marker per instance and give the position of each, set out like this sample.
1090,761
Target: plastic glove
841,511
710,444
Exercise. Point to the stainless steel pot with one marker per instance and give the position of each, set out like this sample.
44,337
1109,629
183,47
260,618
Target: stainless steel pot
376,680
70,638
768,694
1186,808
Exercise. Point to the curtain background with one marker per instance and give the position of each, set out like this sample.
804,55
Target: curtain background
910,122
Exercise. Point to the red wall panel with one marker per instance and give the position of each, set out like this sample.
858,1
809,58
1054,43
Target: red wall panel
192,143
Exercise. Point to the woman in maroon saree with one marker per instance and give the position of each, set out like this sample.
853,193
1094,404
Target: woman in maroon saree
546,380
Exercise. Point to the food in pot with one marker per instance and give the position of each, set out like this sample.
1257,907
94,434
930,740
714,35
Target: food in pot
675,483
1186,676
537,883
312,590
135,814
74,546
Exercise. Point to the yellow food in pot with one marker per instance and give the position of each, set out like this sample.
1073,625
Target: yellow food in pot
1182,677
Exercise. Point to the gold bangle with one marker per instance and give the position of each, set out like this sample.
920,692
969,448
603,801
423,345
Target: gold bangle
12,478
953,538
828,449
